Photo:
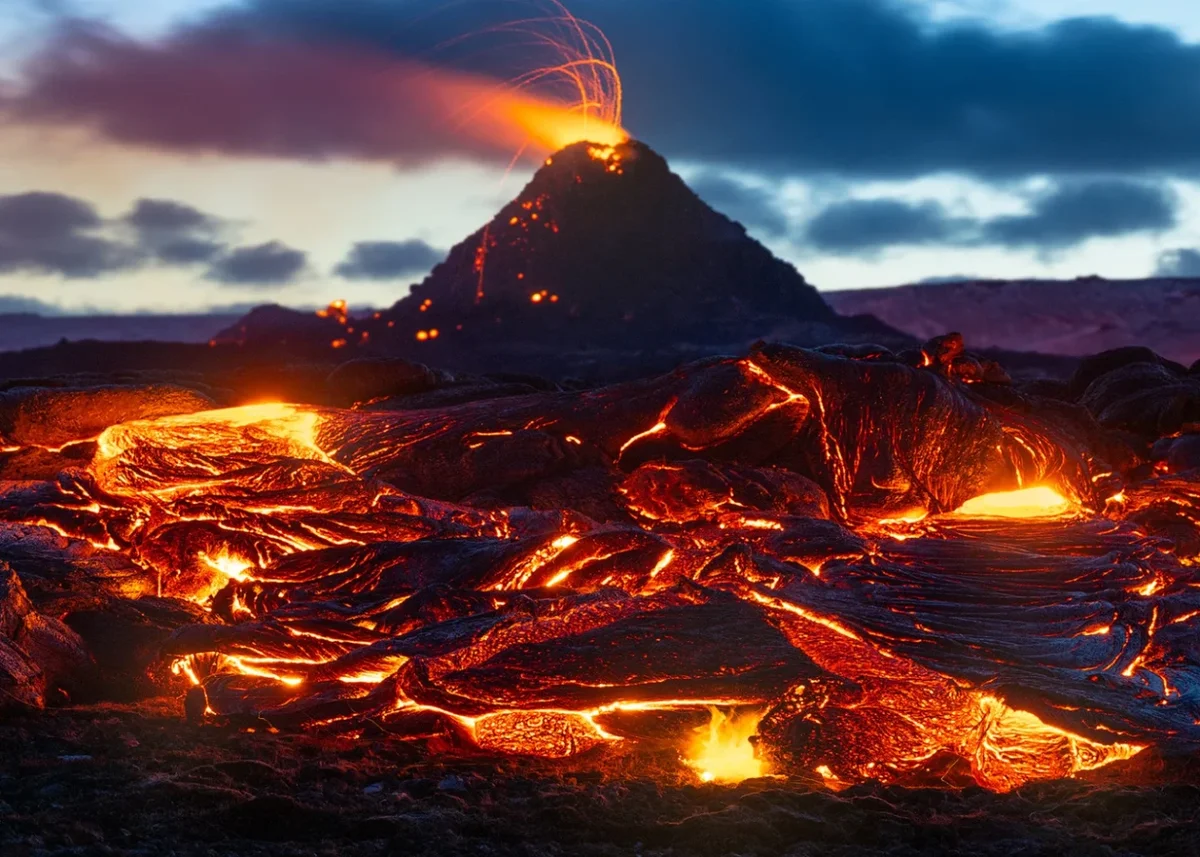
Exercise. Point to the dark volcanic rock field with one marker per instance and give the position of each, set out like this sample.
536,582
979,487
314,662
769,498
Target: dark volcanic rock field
139,781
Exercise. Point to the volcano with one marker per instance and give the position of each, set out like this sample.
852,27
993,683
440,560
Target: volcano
605,248
610,243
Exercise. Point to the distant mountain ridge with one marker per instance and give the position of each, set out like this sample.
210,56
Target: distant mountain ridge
19,331
1069,317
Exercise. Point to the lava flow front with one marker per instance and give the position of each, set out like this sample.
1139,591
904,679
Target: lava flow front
788,563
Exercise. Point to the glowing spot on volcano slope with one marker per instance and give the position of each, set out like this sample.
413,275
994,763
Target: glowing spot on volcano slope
602,153
336,310
721,752
1038,502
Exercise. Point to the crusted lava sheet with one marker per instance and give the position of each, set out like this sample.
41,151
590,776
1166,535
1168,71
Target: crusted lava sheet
888,566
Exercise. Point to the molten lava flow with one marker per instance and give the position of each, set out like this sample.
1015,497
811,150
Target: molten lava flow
1039,502
1010,739
562,573
189,442
721,752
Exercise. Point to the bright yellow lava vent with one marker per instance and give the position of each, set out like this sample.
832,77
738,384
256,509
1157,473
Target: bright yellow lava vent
1038,502
721,752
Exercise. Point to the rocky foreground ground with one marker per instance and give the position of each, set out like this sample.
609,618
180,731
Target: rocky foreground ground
115,780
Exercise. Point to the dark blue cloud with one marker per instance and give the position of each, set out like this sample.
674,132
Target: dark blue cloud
850,87
1081,210
270,264
388,260
187,251
868,225
754,207
1064,216
168,216
50,233
948,278
21,304
174,233
872,87
1179,263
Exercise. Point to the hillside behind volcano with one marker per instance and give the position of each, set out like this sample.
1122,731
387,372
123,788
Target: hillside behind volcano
606,255
1071,317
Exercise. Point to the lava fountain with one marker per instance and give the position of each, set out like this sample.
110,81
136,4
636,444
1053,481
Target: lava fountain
575,96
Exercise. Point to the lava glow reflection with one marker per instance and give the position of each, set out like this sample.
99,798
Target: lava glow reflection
1038,502
721,752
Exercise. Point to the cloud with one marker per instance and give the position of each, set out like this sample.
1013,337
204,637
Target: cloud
13,304
868,225
1077,211
174,233
875,88
1064,216
270,264
387,260
229,88
948,278
1179,263
187,251
850,87
168,216
754,207
50,233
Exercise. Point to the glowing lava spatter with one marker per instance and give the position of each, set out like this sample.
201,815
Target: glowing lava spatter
576,95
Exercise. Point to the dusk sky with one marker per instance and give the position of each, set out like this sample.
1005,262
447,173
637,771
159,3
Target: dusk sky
176,155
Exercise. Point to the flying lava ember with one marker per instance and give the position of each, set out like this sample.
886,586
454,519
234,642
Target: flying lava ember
575,97
790,562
